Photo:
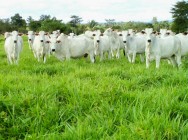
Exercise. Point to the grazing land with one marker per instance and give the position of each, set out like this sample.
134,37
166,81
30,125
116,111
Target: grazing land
76,99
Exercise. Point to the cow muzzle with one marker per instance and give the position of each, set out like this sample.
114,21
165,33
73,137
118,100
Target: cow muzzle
98,41
149,40
29,39
15,41
41,41
124,41
53,50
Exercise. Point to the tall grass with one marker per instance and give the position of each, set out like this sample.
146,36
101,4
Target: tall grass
75,99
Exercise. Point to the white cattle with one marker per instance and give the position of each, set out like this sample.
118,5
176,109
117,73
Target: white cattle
31,36
135,44
123,41
13,46
41,46
183,37
102,44
114,41
76,47
163,47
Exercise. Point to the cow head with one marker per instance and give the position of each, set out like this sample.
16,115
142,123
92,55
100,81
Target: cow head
124,35
15,36
148,32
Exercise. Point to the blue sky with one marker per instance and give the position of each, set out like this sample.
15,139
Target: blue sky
98,10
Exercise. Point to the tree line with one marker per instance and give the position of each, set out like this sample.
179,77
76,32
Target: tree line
179,13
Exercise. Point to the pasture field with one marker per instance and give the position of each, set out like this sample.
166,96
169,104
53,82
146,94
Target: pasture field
77,100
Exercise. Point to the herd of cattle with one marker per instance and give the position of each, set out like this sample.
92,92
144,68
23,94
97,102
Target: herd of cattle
148,44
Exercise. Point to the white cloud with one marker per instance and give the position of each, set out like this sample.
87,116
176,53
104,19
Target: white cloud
99,10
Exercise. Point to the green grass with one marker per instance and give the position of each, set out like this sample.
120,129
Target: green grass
111,100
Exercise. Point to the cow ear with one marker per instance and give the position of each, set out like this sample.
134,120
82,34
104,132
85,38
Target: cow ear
27,34
20,34
185,33
36,34
101,34
47,41
58,41
143,32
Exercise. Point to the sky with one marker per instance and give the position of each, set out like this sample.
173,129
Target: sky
98,10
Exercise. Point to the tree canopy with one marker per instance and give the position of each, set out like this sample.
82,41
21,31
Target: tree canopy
180,16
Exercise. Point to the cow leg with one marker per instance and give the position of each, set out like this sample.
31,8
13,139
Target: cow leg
117,54
173,61
109,55
67,57
38,57
178,57
112,53
9,59
44,58
134,57
158,58
141,58
101,56
147,62
129,57
92,57
16,60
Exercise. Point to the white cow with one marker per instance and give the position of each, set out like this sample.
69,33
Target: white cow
41,46
76,47
114,41
163,47
13,46
135,44
183,37
31,36
123,41
102,44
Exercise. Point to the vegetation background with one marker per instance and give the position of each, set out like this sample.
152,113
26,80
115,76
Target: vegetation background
75,99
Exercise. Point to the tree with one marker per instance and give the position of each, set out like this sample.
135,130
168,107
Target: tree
44,17
75,20
18,23
29,19
110,22
180,16
92,23
155,24
51,25
5,25
35,25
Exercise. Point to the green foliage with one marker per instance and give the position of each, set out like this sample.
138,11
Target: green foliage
34,25
180,16
5,26
17,22
92,24
75,99
136,25
50,25
75,20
